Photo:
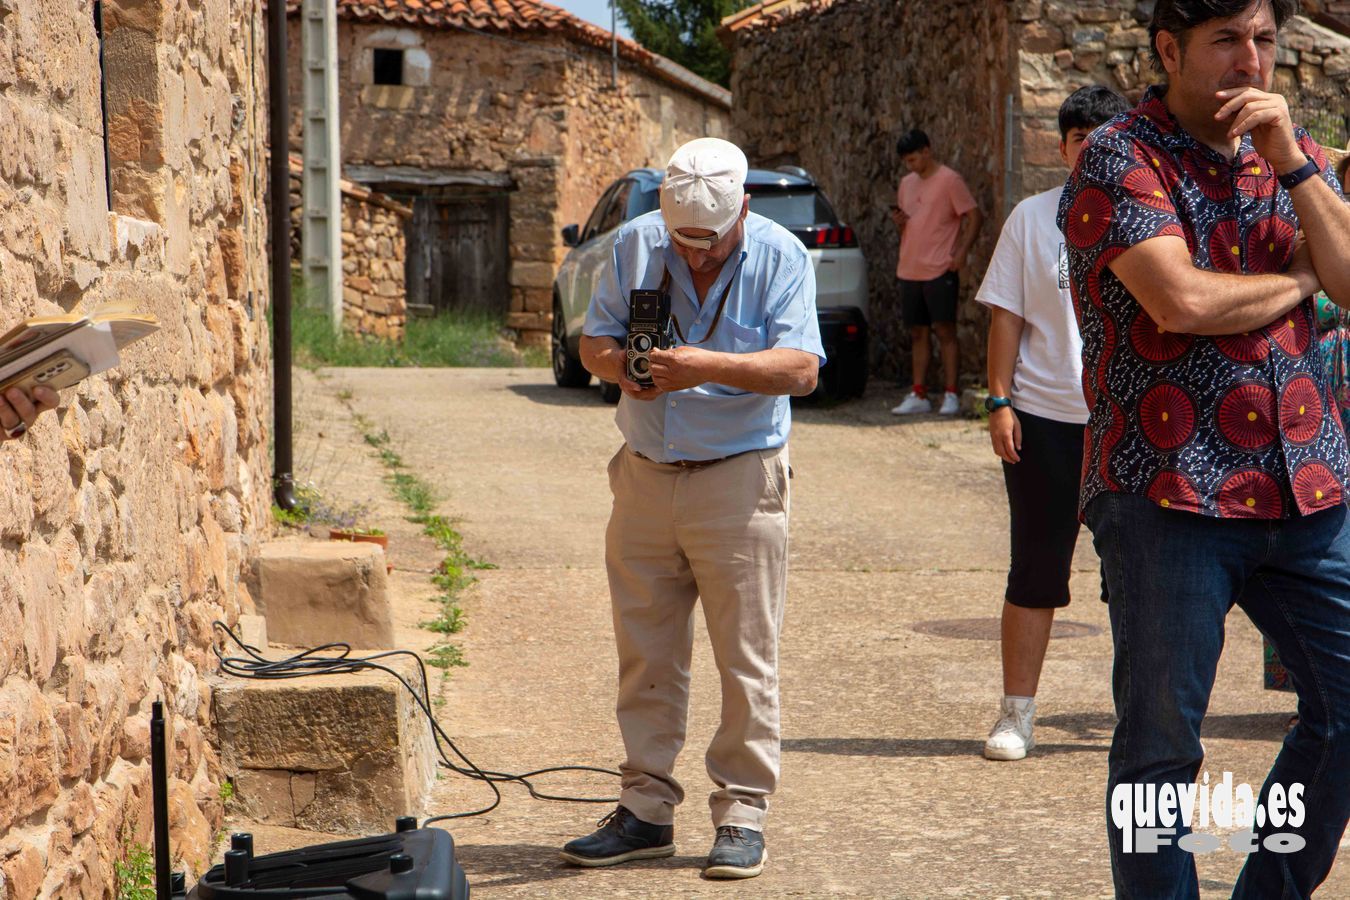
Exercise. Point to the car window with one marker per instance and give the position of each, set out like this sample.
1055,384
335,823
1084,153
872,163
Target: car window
593,223
793,209
618,205
644,199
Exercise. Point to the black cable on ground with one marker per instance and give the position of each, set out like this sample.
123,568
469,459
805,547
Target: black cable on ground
337,659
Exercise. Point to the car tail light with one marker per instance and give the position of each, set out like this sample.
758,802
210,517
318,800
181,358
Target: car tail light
835,236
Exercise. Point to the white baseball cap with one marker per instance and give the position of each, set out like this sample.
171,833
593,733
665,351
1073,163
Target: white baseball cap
704,188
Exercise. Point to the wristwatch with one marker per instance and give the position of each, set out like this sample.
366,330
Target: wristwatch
1291,180
993,403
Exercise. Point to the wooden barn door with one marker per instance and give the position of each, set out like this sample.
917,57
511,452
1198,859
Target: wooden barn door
459,253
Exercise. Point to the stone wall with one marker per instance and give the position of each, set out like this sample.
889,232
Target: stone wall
1064,45
127,517
831,89
533,114
374,257
374,264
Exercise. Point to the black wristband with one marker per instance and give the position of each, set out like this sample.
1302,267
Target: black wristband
1300,175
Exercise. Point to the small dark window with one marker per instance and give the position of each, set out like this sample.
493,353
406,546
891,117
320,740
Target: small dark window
388,66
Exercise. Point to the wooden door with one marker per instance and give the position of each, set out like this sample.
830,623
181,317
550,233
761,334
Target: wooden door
459,253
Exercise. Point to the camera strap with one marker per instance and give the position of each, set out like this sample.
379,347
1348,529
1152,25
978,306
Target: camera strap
721,305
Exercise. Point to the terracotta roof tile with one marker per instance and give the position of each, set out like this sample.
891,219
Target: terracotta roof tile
769,13
516,16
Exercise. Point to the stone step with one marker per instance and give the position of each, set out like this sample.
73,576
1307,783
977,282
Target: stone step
318,592
341,754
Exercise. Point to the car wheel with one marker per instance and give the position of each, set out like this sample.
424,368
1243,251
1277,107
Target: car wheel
568,371
855,377
610,392
843,377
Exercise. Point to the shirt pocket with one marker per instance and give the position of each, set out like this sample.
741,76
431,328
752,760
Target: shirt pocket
746,338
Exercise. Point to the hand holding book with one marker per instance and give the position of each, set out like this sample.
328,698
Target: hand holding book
45,354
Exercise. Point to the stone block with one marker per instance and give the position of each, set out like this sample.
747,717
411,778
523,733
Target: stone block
1095,14
1336,65
332,753
1041,37
532,274
1298,41
316,592
23,873
1040,146
1129,37
534,337
252,630
30,764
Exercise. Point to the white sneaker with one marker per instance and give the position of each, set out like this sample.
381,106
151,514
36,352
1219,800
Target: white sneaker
913,404
1011,737
951,404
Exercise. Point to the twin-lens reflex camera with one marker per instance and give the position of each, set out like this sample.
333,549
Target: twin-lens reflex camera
649,328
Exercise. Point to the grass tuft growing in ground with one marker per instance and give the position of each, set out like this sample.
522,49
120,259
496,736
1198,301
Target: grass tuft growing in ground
452,340
453,574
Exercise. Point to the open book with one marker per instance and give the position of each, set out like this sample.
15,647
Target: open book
59,351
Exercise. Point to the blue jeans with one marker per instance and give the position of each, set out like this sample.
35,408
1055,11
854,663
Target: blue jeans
1172,578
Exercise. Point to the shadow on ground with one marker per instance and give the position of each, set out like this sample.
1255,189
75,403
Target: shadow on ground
1232,726
552,395
915,747
506,865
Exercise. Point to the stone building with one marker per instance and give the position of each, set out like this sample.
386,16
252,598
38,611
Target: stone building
830,85
131,154
498,123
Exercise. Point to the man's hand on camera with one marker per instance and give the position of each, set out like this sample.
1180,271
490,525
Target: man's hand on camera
1266,116
639,391
681,368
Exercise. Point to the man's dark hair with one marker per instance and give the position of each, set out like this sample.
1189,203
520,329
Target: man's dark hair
1089,107
1180,16
911,141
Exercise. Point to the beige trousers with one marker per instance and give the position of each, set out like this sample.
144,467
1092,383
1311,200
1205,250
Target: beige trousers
720,534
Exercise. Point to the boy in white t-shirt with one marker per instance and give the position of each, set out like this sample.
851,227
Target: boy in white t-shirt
1036,418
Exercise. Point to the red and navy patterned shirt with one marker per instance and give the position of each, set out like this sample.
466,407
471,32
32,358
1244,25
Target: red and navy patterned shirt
1236,426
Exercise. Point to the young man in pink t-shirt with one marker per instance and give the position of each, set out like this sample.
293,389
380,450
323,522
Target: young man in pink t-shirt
937,220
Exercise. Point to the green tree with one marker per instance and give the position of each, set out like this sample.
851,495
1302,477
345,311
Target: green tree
684,31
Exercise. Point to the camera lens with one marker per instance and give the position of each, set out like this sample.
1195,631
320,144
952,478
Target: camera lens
642,343
642,365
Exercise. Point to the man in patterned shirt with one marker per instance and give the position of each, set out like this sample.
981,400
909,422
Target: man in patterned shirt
1215,467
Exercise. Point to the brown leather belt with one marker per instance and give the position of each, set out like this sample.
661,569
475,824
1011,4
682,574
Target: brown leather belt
690,463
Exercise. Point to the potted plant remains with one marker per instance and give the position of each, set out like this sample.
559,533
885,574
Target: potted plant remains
351,525
359,533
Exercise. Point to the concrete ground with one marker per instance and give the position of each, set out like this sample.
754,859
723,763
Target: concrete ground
898,528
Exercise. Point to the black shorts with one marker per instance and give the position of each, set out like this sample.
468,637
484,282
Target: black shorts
926,302
1043,503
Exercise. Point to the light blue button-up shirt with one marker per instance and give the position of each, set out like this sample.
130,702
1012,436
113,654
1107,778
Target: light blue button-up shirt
772,303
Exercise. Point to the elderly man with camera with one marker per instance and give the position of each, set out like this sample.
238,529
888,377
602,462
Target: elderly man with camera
706,318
